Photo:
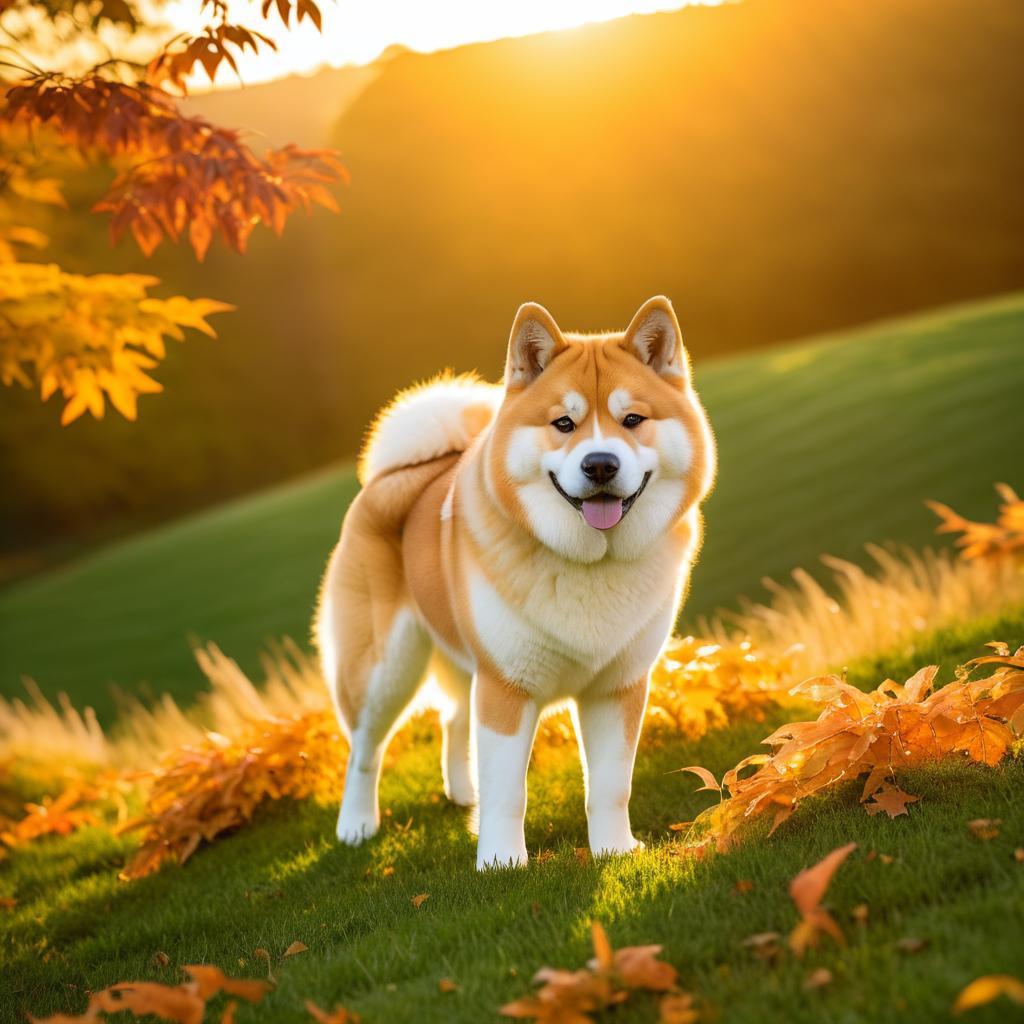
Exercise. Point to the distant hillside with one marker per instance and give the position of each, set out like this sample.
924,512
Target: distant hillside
823,446
300,108
779,167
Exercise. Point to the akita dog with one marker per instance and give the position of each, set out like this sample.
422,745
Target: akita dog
527,544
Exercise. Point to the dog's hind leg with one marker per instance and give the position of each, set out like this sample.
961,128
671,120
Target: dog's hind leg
456,759
393,682
374,654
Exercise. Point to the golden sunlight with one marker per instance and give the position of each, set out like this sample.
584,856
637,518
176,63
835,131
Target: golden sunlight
358,33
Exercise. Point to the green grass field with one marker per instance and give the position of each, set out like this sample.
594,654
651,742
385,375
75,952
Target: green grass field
76,927
824,445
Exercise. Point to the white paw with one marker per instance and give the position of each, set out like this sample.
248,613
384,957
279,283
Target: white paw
616,846
489,860
354,829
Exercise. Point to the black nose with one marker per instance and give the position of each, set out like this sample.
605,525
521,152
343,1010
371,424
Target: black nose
599,466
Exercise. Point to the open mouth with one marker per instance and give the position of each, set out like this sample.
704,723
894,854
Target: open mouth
602,511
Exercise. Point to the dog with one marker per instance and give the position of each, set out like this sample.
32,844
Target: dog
525,544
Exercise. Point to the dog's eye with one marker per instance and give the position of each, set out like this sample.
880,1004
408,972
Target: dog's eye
564,424
634,419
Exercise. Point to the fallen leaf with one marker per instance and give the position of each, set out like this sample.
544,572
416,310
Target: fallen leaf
818,979
339,1015
806,891
388,871
677,1008
582,854
911,945
263,954
985,828
710,782
603,956
890,799
764,945
418,901
744,885
295,947
177,1003
210,980
983,990
1018,855
161,959
447,985
860,913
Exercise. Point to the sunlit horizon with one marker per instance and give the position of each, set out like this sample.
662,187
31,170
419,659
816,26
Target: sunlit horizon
359,33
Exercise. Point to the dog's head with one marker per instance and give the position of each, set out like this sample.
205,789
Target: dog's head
601,443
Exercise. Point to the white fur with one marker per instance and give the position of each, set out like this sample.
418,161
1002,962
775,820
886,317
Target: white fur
619,402
575,405
392,683
502,780
425,423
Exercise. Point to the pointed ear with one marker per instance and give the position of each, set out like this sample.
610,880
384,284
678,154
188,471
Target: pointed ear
534,342
655,339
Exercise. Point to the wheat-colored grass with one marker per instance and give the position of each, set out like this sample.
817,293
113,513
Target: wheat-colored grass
803,626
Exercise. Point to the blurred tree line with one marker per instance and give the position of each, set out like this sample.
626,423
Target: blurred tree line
779,167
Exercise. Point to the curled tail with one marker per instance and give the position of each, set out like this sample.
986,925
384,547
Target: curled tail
426,422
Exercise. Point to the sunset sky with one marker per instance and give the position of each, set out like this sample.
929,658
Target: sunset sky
358,31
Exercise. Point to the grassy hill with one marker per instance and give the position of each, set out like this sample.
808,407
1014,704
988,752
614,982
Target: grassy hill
824,445
779,167
958,900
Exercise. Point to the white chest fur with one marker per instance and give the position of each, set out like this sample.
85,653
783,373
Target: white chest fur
551,625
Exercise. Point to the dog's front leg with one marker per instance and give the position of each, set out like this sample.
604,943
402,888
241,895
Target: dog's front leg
506,723
609,727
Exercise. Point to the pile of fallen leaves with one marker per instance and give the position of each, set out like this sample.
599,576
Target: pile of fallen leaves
186,1003
201,791
1002,539
873,734
700,684
570,997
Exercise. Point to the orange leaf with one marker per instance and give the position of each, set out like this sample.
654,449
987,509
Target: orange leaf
295,947
177,1003
710,783
602,947
677,1008
418,901
985,828
339,1015
892,800
983,990
210,980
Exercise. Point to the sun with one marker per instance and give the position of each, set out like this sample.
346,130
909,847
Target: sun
359,32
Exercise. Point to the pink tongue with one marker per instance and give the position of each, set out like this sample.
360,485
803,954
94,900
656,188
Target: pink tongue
602,512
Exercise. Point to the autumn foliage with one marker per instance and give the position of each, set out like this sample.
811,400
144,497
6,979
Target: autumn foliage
200,792
872,735
94,338
570,997
992,541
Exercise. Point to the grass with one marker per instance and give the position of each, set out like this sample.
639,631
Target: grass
823,445
76,927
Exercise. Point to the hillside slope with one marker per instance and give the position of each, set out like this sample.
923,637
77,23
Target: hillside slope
779,167
823,445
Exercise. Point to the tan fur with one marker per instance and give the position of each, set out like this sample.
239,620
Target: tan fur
478,554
